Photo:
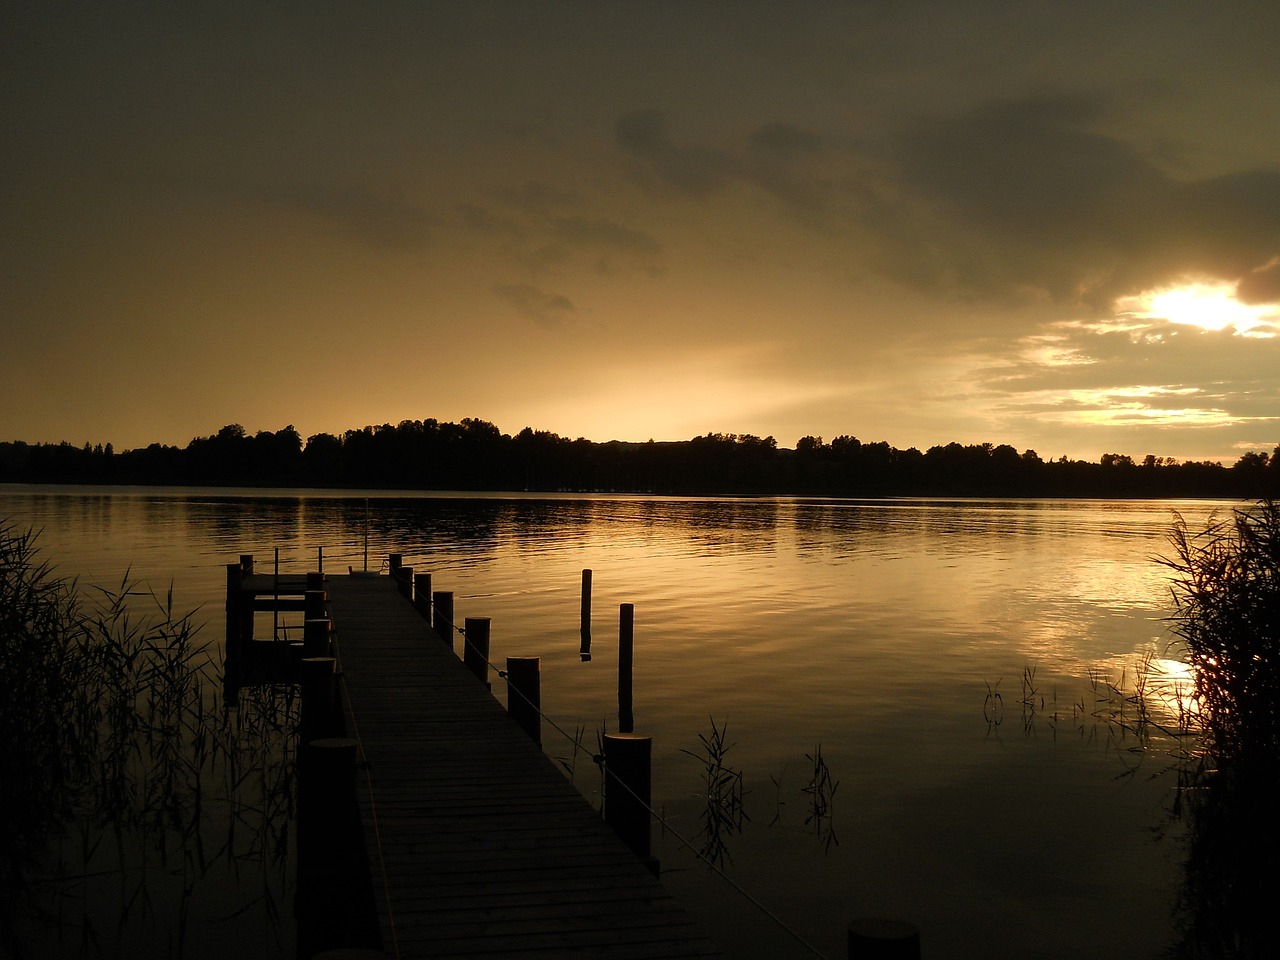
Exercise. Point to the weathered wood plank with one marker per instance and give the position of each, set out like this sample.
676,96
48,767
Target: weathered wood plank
479,844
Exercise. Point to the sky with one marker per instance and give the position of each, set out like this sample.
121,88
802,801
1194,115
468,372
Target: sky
1051,225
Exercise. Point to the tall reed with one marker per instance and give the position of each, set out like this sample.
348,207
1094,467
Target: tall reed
122,777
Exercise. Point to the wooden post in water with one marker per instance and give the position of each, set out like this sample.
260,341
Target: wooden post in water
585,651
475,647
393,563
319,699
232,677
442,601
875,938
422,595
313,601
334,899
315,637
627,766
246,564
404,582
524,695
626,637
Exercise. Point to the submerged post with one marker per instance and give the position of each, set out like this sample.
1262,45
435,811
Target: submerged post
626,636
475,647
442,601
524,695
627,765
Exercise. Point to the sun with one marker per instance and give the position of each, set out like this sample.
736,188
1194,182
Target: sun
1206,304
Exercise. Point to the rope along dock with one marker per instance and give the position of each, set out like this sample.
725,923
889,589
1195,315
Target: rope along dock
477,844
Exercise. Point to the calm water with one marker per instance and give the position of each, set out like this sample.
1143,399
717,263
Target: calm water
868,634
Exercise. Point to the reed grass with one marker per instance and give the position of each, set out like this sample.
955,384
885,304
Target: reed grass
1226,591
723,813
124,779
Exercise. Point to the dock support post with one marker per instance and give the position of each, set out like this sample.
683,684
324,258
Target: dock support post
393,563
319,698
524,695
335,905
233,675
246,564
878,939
404,582
313,601
585,651
442,601
315,637
475,647
422,595
627,766
626,638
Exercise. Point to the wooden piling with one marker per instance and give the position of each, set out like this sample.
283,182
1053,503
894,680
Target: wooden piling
586,601
394,560
422,594
475,649
627,765
524,695
626,638
442,601
334,900
319,698
404,582
315,637
313,601
875,938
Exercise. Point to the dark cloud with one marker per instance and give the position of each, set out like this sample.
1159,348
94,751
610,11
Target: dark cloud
1026,197
357,212
695,171
580,230
546,309
1261,285
786,140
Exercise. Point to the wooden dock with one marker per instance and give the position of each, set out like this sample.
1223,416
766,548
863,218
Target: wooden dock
477,844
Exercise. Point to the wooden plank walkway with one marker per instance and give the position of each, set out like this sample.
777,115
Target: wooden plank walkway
479,846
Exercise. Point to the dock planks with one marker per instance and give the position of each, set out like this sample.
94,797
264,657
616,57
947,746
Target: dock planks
479,846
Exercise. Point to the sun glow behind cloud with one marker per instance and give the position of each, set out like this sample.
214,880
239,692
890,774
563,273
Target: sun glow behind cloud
1207,304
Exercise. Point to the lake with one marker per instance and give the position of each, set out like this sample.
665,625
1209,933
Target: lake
931,703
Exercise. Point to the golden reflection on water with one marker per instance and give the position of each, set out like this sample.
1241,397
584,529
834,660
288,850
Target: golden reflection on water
871,628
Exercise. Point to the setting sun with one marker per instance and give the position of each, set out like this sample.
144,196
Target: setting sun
1209,305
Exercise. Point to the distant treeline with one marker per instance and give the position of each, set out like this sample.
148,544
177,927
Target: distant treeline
475,455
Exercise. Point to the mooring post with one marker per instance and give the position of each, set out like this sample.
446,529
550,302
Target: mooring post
315,579
875,938
524,695
246,564
475,647
313,601
319,698
404,582
442,601
234,638
627,768
422,594
585,651
393,563
626,637
329,897
315,637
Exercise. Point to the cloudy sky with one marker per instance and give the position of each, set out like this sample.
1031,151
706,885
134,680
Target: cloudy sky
1053,225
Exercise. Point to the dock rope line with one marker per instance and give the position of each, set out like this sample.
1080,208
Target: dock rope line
598,759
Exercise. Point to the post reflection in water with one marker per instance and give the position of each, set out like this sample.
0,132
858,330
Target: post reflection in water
862,634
